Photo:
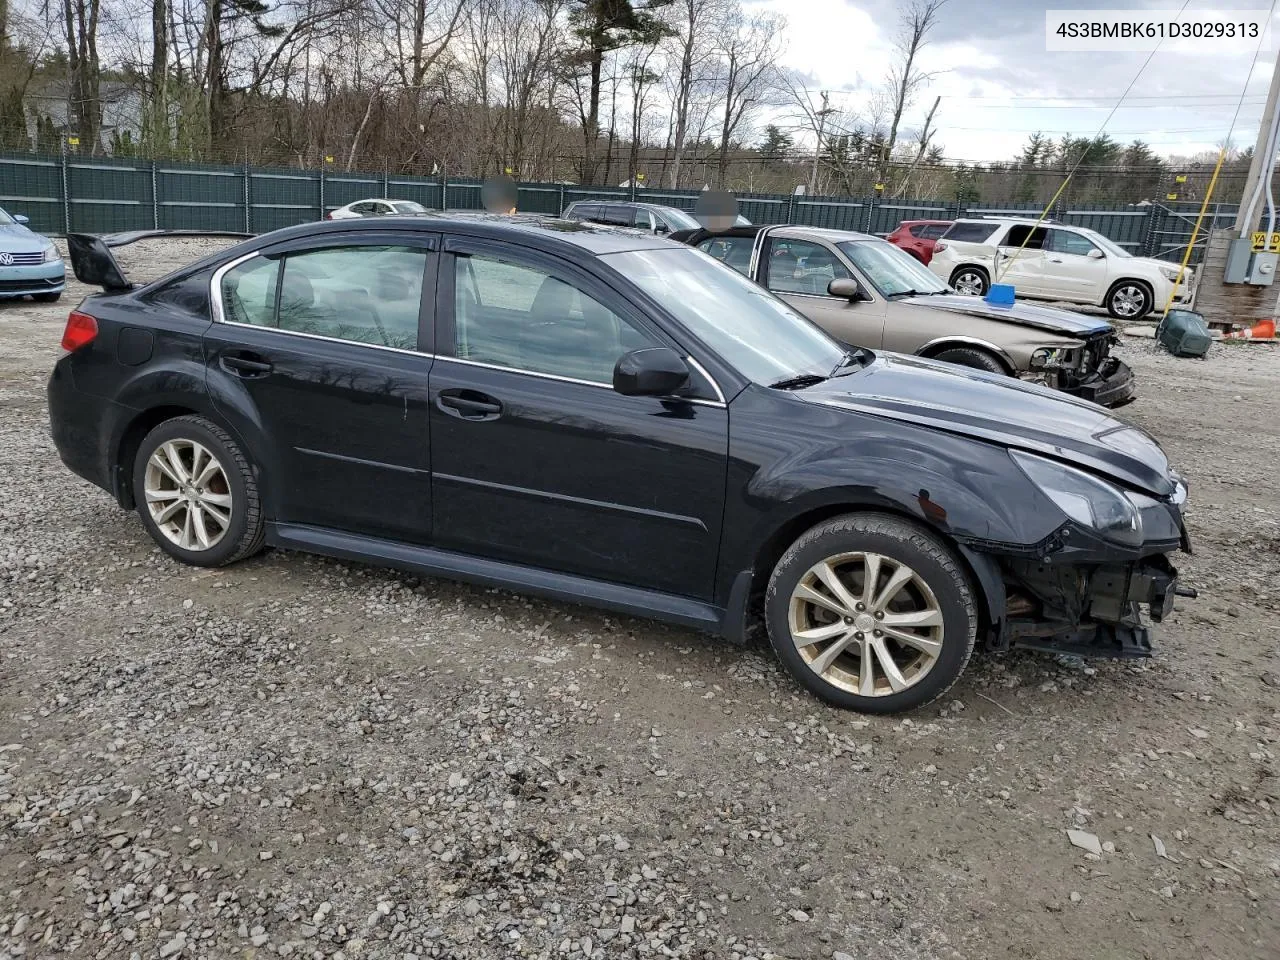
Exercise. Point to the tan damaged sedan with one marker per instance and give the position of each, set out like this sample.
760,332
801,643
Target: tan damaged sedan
868,293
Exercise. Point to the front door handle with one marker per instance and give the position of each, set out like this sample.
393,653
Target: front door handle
1054,260
468,405
245,366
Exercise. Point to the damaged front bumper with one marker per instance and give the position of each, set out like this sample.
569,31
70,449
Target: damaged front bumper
1111,385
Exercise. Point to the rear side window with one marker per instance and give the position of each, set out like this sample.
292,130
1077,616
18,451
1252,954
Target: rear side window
932,231
581,211
1027,237
970,232
362,294
731,251
917,231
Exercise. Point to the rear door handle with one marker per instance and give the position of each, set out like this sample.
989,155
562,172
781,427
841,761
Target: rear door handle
245,366
1054,260
468,405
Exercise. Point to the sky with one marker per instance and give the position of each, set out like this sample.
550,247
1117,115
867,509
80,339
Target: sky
998,84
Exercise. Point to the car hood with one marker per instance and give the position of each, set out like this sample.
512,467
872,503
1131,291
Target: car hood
1000,410
15,238
1024,314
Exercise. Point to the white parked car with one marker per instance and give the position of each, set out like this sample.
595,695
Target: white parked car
1058,262
377,208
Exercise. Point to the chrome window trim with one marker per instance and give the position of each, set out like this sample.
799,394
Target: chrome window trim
584,383
215,298
219,316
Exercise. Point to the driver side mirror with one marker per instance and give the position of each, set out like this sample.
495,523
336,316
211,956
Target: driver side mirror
650,372
845,288
1095,254
19,218
661,228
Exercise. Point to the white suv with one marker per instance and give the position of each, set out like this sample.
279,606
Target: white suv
1058,262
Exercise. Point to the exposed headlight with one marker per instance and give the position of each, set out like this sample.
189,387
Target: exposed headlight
1170,273
1052,358
51,254
1084,498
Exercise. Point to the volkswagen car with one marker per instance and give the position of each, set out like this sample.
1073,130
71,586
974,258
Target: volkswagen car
615,419
30,264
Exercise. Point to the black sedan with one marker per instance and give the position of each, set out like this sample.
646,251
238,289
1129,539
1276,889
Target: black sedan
619,420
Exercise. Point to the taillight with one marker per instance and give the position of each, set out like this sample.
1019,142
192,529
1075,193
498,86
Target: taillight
939,247
328,216
81,330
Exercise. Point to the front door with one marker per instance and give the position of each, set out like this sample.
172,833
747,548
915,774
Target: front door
535,459
317,353
798,271
1075,269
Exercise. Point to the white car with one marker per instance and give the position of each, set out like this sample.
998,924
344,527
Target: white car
377,208
1057,262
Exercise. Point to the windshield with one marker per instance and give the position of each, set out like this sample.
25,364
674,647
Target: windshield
408,206
891,271
1113,249
754,331
678,219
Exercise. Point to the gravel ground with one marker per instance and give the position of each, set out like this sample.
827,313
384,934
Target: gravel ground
302,757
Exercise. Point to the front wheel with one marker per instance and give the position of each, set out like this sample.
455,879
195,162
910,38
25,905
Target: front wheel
871,613
971,357
196,493
47,297
1129,300
971,281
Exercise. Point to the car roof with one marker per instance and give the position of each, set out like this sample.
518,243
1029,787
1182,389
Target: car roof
1034,221
545,232
916,223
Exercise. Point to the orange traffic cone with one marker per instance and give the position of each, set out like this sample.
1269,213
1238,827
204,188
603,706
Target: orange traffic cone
1262,330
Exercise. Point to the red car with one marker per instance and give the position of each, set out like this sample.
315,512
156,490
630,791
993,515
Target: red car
917,237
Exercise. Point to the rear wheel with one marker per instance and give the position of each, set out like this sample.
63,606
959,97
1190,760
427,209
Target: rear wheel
971,281
971,357
872,613
196,493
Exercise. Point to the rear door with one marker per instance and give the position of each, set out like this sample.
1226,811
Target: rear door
536,459
1022,261
321,353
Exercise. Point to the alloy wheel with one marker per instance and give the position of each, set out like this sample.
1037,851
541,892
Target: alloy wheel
866,623
1129,300
970,283
188,495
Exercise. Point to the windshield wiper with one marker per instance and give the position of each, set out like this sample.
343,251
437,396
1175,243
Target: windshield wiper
799,381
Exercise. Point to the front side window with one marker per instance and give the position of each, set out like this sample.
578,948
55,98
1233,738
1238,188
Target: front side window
801,266
889,270
1063,241
763,338
362,294
511,315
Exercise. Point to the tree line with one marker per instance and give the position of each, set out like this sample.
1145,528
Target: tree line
660,93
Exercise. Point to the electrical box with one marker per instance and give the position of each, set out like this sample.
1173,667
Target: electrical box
1238,256
1262,269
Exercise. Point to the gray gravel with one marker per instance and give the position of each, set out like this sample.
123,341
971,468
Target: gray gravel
299,757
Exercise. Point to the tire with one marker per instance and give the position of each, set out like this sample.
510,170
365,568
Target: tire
225,509
971,281
1129,300
46,297
831,667
971,357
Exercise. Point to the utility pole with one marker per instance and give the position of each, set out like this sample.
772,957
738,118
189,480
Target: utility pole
1259,156
823,113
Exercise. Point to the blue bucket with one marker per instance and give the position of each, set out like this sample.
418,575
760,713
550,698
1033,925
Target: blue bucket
1000,295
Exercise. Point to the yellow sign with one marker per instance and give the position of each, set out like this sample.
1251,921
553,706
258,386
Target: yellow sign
509,171
73,141
879,186
1171,196
1259,242
328,159
639,176
1180,178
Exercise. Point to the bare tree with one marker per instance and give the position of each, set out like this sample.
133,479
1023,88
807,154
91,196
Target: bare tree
80,21
906,78
693,25
749,52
